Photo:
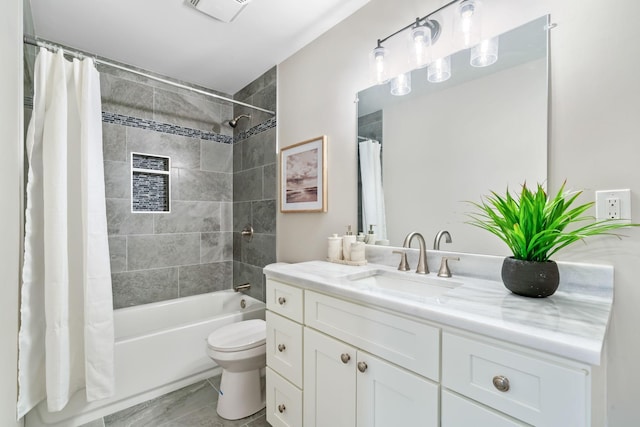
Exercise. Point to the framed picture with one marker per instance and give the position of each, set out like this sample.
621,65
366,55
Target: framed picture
303,176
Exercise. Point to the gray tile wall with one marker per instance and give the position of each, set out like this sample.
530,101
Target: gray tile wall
159,256
255,185
216,187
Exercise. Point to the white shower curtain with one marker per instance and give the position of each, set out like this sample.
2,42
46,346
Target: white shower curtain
66,339
373,211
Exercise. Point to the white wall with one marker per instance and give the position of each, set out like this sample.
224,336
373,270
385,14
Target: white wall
10,196
593,138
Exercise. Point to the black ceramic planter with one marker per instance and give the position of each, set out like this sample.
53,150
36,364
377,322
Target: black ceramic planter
530,278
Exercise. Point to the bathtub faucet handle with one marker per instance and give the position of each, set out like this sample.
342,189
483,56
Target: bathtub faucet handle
242,288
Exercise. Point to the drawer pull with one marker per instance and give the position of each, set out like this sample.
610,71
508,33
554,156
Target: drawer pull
281,348
345,358
362,366
281,408
282,300
501,383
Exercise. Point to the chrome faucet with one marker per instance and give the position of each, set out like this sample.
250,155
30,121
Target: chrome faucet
422,260
436,241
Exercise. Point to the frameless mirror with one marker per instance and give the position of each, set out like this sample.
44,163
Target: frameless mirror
447,143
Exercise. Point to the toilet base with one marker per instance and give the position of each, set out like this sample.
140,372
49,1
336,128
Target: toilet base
241,394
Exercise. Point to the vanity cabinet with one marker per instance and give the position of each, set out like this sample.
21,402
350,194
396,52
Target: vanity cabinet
333,361
345,386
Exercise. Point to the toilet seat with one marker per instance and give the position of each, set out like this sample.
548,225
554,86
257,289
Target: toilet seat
238,336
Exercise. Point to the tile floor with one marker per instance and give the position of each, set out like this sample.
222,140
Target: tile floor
191,406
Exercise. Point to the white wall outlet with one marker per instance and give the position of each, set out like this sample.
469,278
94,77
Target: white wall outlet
613,204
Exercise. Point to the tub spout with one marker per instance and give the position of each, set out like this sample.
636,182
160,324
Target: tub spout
242,288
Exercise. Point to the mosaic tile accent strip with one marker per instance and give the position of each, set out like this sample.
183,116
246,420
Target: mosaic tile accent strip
121,119
140,161
264,126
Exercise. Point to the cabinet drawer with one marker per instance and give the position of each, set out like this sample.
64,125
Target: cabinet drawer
284,402
460,412
285,300
284,347
412,345
539,392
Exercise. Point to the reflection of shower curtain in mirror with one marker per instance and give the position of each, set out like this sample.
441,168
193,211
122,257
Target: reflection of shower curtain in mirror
372,195
66,338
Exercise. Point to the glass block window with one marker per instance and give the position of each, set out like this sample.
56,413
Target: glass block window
150,183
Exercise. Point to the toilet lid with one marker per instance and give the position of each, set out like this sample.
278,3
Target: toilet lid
238,336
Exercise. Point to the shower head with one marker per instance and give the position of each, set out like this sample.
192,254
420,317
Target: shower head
234,122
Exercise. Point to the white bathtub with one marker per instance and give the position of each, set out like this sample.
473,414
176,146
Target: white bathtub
159,348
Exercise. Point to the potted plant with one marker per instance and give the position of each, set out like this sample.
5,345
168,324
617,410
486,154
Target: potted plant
535,227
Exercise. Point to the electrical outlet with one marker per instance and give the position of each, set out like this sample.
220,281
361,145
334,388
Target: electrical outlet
613,208
613,204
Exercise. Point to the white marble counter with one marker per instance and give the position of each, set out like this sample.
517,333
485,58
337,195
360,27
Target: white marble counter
571,323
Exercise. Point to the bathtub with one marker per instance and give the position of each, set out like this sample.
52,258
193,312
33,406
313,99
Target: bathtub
159,347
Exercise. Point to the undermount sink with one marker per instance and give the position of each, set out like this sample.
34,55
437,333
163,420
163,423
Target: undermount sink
405,284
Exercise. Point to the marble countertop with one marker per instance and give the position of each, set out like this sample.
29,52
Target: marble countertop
572,323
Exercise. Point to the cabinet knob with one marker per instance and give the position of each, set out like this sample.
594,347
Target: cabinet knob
362,366
281,348
282,300
501,383
345,358
281,408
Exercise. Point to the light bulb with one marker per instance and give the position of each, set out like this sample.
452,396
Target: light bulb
485,53
469,22
420,42
439,70
377,65
401,84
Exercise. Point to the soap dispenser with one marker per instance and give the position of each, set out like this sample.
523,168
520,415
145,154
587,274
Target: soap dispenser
347,240
371,236
335,248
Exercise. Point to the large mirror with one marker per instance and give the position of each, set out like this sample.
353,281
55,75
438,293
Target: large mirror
448,143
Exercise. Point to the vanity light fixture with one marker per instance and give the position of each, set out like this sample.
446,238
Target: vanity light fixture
423,33
485,53
401,84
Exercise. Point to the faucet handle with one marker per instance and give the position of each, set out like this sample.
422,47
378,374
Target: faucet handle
444,266
404,265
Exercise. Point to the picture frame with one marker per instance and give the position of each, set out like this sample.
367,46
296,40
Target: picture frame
303,176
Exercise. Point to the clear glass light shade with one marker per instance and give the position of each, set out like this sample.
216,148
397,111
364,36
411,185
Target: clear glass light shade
378,65
420,46
468,26
401,84
439,70
485,53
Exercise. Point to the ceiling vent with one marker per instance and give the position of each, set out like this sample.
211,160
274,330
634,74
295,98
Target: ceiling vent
222,10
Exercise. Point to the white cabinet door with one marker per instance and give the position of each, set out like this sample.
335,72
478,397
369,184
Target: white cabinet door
329,382
388,396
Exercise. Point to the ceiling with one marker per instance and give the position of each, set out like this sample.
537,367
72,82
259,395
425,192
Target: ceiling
171,38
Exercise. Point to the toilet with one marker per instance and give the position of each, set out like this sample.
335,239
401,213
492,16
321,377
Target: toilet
240,349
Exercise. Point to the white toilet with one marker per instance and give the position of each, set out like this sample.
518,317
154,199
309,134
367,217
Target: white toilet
240,349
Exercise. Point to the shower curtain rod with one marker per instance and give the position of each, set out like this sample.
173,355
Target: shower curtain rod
33,41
